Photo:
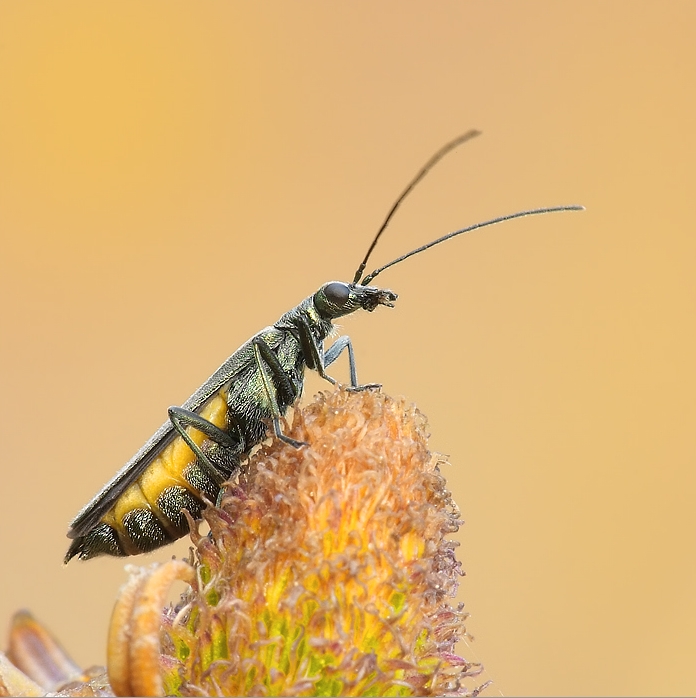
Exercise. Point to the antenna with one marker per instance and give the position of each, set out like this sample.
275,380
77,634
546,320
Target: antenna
421,173
476,226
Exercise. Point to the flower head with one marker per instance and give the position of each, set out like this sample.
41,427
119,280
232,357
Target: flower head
327,571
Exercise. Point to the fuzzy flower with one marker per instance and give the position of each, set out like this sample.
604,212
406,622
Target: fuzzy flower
327,572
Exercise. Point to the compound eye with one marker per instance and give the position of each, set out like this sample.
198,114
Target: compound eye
337,293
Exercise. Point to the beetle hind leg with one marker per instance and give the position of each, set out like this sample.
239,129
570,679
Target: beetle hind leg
181,419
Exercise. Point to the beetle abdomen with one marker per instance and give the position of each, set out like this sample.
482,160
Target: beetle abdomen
148,514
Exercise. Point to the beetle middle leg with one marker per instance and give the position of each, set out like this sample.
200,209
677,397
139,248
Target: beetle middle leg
266,358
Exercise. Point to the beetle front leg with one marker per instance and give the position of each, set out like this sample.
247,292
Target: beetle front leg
334,351
316,359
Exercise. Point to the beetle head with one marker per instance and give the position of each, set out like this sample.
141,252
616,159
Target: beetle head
335,299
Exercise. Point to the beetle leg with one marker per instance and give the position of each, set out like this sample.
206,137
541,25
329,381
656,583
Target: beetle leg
182,418
263,351
312,351
316,359
267,361
334,351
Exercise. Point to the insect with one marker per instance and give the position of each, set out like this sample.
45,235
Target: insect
203,442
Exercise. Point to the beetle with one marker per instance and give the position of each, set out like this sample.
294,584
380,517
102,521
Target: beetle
203,442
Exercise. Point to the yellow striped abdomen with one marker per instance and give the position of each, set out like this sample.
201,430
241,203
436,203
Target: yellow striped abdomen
149,512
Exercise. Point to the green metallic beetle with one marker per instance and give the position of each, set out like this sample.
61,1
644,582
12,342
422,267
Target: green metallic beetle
201,446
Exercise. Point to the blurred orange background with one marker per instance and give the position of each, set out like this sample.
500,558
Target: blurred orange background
175,175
